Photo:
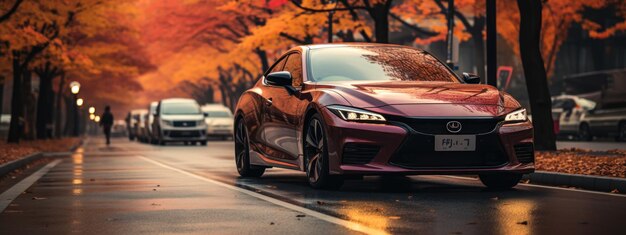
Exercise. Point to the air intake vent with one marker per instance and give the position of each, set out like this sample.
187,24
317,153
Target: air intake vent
525,153
359,153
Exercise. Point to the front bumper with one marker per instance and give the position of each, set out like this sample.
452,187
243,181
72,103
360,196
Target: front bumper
397,148
184,134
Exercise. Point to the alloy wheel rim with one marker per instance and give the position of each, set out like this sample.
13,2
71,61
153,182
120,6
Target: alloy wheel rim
314,146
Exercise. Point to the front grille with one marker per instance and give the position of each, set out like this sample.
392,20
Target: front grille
438,126
183,134
418,152
184,123
525,153
354,153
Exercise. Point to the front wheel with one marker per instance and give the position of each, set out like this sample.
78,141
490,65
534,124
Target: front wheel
242,153
500,180
316,156
584,133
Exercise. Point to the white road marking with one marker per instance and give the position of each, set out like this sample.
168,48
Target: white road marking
12,193
345,223
547,187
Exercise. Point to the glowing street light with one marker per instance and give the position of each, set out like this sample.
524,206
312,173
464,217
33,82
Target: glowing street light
92,110
97,119
79,102
75,87
92,116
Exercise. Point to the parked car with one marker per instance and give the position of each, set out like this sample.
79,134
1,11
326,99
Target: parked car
131,123
151,135
136,125
118,129
609,121
375,109
568,112
142,129
179,120
219,121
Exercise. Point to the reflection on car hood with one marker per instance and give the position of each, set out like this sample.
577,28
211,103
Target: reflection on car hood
194,117
376,94
219,121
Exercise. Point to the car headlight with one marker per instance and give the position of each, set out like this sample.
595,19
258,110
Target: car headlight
516,116
167,123
354,114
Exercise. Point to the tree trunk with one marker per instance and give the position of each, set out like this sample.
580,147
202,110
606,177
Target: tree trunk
57,108
535,73
29,105
380,14
17,107
479,47
44,106
263,58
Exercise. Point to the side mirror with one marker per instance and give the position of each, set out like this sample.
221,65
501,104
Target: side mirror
470,78
282,78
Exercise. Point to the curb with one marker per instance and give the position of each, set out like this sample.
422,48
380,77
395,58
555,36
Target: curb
596,183
15,164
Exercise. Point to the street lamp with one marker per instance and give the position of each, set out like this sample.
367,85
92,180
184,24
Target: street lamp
97,119
92,116
92,110
75,88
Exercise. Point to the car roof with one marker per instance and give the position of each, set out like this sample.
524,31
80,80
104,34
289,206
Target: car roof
177,100
353,44
208,107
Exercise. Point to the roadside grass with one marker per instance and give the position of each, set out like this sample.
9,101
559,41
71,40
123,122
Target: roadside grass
10,152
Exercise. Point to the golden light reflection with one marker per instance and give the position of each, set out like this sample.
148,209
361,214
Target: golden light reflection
77,191
366,220
77,159
512,214
78,172
77,181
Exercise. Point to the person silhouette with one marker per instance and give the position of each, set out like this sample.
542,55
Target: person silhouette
107,122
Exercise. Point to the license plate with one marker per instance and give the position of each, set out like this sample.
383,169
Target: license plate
455,143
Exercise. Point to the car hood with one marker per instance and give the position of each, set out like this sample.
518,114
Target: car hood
218,121
194,117
426,98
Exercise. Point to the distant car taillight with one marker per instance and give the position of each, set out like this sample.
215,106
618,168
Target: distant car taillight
557,127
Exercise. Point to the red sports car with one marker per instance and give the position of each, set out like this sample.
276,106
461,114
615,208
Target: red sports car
337,110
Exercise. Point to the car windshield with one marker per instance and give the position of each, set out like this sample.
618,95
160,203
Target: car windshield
181,108
218,114
377,63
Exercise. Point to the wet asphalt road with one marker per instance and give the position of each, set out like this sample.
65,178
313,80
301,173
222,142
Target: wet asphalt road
138,188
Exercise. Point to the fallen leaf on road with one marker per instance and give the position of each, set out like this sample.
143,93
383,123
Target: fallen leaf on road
155,204
39,198
523,222
92,179
614,191
300,215
153,189
271,223
158,185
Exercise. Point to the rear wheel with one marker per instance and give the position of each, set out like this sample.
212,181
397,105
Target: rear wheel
500,180
316,156
584,133
203,143
242,153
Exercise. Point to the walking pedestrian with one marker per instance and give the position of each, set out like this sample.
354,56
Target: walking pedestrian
107,122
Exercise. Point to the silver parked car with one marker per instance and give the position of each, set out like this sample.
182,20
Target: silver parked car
219,121
568,111
179,120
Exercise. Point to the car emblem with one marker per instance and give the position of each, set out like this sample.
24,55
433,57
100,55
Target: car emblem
184,124
453,126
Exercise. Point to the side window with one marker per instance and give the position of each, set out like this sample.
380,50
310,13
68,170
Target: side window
294,66
278,66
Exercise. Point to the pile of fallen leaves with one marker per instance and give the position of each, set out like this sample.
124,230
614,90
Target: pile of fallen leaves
10,152
582,161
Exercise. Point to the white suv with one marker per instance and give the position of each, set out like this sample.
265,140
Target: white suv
219,120
179,120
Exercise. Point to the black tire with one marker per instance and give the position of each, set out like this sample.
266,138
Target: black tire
500,180
193,143
242,153
161,142
203,143
621,136
583,132
316,156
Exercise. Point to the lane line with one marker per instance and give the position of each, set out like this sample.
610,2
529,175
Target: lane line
345,223
12,193
547,187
